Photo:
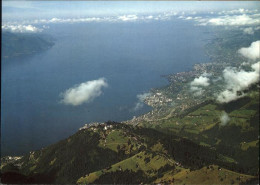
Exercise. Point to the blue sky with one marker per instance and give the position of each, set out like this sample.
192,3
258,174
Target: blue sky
46,9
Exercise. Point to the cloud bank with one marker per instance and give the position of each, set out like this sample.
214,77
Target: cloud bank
239,17
252,52
21,28
229,20
237,81
237,11
84,92
235,20
224,118
119,18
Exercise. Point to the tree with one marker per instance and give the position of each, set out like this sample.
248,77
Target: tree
129,142
118,147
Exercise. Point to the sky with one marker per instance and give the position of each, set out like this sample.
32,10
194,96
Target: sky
15,10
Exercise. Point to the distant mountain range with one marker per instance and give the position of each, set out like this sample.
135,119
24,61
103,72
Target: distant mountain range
167,152
24,44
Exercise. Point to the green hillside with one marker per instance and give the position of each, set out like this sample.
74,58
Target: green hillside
238,139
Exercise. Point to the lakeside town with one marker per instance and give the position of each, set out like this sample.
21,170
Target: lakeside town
177,96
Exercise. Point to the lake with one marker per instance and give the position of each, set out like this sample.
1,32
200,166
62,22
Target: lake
131,56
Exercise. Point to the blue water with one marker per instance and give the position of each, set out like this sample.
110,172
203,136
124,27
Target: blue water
131,56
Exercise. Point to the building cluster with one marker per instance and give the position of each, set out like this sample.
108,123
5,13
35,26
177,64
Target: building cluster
157,99
94,126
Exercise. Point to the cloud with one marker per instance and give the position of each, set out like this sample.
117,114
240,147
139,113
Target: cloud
71,20
238,11
248,31
112,19
252,52
196,86
256,67
235,20
201,81
140,103
21,28
197,91
198,18
189,18
120,18
231,20
30,25
224,118
237,81
84,92
128,17
149,17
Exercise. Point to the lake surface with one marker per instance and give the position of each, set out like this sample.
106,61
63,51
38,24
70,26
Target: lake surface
131,56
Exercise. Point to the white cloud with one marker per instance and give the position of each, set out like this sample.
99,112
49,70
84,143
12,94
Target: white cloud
84,92
72,20
114,19
149,17
189,18
232,20
228,95
128,17
224,118
197,91
248,31
197,18
256,67
196,86
201,81
235,20
252,52
238,81
21,28
238,11
140,103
